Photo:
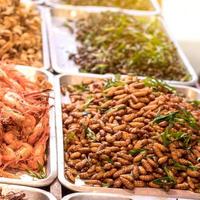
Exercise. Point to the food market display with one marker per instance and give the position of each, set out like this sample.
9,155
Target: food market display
20,33
127,133
112,115
24,123
119,43
12,196
128,4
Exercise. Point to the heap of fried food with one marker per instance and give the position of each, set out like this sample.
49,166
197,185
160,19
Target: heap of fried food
127,133
20,34
12,195
24,122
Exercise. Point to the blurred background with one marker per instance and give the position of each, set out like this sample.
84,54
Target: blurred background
182,18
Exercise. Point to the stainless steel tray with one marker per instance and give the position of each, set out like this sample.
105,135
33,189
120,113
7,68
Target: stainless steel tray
31,193
62,42
34,1
103,196
190,93
51,166
45,44
156,8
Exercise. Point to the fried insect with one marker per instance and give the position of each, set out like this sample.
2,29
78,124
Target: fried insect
113,143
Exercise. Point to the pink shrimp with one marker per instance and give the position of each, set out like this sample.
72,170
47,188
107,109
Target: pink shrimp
38,130
10,138
38,156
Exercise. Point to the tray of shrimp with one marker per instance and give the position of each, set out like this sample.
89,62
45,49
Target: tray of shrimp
23,36
27,129
14,192
126,135
148,7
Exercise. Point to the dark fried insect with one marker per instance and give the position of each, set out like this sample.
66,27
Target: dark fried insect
111,143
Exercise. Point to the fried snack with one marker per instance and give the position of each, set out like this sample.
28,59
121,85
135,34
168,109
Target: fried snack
20,34
127,133
24,123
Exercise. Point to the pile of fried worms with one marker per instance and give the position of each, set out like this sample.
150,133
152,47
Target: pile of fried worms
24,123
12,195
127,133
20,33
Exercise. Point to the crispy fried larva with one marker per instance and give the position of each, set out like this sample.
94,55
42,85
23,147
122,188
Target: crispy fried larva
146,177
113,138
128,184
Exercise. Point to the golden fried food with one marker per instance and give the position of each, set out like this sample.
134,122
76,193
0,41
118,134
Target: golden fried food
20,34
127,133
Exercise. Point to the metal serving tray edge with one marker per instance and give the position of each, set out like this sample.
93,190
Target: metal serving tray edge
45,44
52,156
190,92
31,193
58,69
154,4
106,196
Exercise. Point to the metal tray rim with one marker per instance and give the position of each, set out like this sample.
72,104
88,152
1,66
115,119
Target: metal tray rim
60,151
45,44
29,189
154,3
52,143
68,197
180,52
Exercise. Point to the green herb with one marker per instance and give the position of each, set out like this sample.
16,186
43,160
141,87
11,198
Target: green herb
40,174
88,102
194,168
137,151
158,85
165,136
110,160
164,181
178,166
69,137
170,118
168,180
116,108
106,185
188,118
181,116
169,136
67,24
195,103
90,134
114,82
81,87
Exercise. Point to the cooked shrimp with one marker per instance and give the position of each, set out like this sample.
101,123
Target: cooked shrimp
38,156
38,130
24,122
11,139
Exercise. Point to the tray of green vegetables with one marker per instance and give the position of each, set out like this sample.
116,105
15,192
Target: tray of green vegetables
115,43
